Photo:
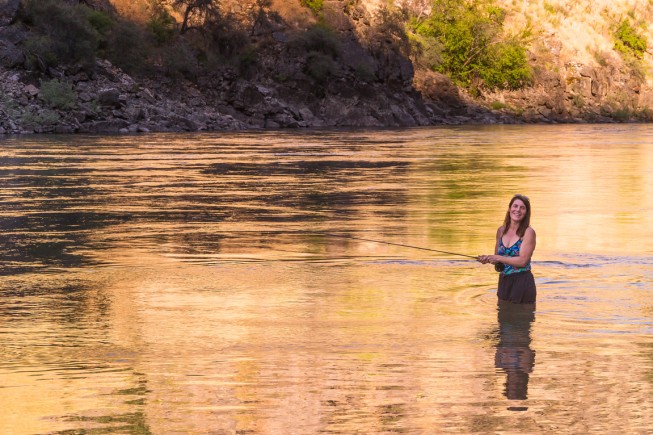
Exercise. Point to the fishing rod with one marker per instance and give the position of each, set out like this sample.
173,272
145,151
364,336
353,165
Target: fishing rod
499,267
382,242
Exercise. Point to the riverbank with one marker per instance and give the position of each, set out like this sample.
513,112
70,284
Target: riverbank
344,71
111,101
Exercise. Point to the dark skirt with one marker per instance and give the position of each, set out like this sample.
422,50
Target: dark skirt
518,288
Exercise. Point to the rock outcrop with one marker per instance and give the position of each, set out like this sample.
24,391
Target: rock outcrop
8,11
566,92
358,77
336,82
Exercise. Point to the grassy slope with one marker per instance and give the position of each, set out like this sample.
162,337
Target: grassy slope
584,27
567,32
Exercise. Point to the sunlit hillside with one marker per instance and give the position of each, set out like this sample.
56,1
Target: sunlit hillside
291,10
235,64
585,28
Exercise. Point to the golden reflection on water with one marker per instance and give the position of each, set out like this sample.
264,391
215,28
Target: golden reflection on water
202,283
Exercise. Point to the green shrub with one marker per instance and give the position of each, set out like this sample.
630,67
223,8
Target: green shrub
9,105
318,38
426,51
629,41
320,67
61,33
600,57
471,47
550,8
365,71
226,37
506,67
129,47
163,26
389,28
247,61
622,114
179,60
40,52
100,21
498,105
578,101
555,9
46,117
315,6
58,95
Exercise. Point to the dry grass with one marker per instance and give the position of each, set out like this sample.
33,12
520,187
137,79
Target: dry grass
293,13
290,10
585,27
137,10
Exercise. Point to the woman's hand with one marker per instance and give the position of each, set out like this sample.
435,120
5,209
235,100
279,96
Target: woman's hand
491,259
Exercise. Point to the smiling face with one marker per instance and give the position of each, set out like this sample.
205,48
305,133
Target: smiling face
517,210
518,213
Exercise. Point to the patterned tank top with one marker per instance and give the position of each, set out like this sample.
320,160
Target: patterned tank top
513,251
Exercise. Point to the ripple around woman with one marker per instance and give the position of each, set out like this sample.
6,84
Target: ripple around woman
513,249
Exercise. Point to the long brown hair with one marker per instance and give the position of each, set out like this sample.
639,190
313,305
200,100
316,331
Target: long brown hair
525,223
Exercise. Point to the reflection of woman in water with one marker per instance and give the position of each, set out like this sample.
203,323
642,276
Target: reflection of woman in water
514,354
515,243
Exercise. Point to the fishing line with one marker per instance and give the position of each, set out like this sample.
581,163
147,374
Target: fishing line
498,267
382,242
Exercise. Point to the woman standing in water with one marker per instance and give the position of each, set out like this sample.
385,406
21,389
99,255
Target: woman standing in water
512,252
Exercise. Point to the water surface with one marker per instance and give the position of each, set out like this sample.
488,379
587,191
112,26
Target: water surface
208,283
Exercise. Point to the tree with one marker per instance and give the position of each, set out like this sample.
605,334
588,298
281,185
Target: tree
261,17
196,13
473,49
217,32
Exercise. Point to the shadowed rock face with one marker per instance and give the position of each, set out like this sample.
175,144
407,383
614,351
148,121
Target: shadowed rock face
357,76
362,88
100,5
8,10
10,55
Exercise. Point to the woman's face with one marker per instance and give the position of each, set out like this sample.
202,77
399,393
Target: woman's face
517,210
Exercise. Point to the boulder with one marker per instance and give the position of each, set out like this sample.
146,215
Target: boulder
10,55
402,117
306,114
109,97
438,88
13,34
250,96
8,11
109,126
31,90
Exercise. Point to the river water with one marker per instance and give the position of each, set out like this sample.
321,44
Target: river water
211,283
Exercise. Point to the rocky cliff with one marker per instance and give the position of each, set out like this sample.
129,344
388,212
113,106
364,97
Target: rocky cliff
366,79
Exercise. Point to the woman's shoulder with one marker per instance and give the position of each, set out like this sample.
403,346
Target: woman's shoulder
529,232
501,230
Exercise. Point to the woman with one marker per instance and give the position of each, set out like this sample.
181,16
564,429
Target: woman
512,252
